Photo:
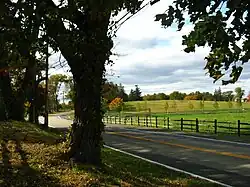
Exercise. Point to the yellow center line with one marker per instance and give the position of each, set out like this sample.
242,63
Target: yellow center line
183,146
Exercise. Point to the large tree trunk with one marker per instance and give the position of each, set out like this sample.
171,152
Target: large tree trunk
86,54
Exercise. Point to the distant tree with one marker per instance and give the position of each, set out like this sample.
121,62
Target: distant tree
201,104
190,105
116,104
216,105
135,95
121,93
239,94
166,107
207,96
227,96
177,95
218,94
230,104
174,105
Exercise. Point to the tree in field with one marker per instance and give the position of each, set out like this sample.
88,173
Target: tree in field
116,104
202,104
174,105
239,94
218,94
221,25
228,95
166,107
216,105
190,105
230,104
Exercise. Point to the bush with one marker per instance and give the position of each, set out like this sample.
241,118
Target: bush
116,104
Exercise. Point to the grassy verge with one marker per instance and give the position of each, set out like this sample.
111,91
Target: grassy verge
30,156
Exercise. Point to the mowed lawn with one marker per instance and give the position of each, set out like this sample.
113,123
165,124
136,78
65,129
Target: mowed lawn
159,106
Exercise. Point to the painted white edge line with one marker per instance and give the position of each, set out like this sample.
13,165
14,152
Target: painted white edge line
169,167
190,136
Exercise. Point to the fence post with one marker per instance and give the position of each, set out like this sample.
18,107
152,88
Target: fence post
125,120
138,120
147,121
181,124
215,126
238,127
156,122
197,125
115,119
131,120
111,119
168,122
107,119
164,122
120,119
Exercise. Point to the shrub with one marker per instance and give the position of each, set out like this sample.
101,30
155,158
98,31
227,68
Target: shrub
116,104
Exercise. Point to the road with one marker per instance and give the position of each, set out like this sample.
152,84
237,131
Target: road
225,162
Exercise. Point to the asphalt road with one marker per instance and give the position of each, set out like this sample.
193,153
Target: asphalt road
228,163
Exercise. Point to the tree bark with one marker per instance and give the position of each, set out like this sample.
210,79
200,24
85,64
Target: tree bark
86,57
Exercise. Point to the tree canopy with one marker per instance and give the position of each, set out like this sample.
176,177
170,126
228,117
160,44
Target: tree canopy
223,25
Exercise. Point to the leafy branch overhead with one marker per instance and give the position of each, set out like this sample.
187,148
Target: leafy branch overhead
223,25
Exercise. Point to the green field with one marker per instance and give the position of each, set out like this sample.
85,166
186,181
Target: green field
147,111
181,106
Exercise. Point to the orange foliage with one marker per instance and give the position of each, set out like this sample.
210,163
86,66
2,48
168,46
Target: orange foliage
191,97
116,104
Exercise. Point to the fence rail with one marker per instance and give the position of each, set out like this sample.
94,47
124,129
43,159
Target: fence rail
196,125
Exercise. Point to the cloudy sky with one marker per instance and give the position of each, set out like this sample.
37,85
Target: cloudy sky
153,58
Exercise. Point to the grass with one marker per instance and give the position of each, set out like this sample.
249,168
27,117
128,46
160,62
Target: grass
158,106
230,116
31,156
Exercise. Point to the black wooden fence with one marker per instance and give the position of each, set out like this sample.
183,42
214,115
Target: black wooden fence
206,126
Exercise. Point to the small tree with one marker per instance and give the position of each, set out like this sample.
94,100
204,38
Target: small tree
116,104
174,105
230,104
166,107
202,105
190,105
216,105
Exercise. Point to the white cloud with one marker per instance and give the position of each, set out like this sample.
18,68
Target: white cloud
154,57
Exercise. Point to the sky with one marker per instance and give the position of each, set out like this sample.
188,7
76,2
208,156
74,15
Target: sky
152,57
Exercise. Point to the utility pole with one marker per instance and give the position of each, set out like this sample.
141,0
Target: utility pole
46,119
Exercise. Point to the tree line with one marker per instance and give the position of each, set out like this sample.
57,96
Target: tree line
113,91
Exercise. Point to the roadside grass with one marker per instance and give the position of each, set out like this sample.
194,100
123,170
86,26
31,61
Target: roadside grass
31,156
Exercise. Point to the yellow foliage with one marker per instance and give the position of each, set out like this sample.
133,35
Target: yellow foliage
116,104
